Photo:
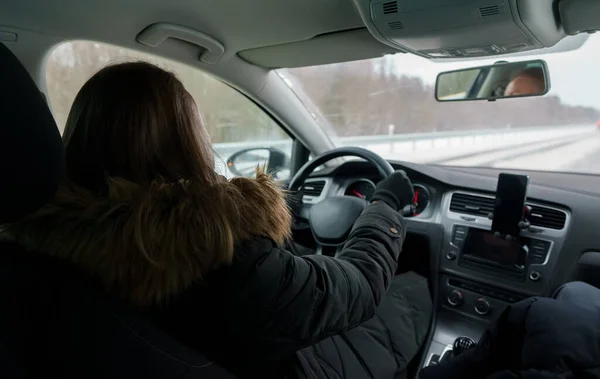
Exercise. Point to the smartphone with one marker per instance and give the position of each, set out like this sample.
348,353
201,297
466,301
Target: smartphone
511,194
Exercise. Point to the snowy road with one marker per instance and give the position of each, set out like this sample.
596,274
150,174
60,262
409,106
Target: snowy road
573,149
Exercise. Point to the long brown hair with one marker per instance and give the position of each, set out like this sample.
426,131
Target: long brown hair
143,208
137,122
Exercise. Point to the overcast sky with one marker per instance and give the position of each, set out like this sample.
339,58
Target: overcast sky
574,75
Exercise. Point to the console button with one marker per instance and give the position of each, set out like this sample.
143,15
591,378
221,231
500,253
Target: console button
458,241
535,276
452,252
541,244
461,229
482,306
539,251
538,259
455,298
459,235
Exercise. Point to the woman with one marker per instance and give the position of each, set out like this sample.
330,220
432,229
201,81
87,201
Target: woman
144,212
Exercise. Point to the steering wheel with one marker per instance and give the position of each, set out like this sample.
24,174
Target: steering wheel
332,219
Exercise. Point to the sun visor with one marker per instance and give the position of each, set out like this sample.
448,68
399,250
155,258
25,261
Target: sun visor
323,49
579,16
462,28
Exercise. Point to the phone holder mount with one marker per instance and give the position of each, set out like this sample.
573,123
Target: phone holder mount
524,224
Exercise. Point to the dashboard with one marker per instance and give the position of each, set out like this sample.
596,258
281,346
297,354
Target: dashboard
454,203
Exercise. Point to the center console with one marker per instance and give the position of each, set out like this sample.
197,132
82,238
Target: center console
480,250
480,274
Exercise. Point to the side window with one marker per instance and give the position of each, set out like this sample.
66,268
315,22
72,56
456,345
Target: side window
243,135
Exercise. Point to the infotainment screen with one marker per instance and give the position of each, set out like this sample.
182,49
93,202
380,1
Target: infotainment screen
484,246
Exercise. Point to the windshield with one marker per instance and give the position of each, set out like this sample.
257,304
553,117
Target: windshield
387,105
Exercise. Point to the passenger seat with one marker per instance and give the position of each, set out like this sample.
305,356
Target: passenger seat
54,321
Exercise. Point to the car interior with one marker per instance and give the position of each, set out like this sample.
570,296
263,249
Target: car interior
484,236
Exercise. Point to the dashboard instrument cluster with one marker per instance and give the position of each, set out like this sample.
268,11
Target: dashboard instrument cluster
365,188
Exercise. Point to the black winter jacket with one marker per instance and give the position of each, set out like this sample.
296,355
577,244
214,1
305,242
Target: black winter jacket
382,347
271,303
250,315
537,338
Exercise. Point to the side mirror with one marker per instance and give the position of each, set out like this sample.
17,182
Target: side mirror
498,81
244,162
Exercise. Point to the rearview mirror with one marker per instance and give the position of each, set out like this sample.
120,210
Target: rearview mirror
244,162
499,81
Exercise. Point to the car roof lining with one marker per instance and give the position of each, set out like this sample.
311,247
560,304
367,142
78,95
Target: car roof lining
266,33
239,25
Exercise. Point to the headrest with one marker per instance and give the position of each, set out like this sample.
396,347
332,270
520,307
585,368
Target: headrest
31,150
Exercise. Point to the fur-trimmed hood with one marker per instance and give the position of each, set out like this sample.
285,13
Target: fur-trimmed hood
148,244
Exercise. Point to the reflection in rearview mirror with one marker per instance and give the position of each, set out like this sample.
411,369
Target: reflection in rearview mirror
498,81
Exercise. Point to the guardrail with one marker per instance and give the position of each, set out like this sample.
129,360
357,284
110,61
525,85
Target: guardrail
451,134
398,143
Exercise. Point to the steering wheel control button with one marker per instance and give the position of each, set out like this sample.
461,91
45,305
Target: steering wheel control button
535,276
455,298
482,307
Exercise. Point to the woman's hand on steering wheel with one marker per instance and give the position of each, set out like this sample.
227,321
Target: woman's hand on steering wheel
332,218
396,191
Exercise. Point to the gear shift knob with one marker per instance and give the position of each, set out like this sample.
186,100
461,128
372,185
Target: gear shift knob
461,344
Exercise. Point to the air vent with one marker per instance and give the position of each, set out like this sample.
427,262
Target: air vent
483,206
390,7
547,217
472,205
492,10
313,188
396,25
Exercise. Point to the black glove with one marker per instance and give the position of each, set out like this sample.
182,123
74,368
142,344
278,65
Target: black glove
396,191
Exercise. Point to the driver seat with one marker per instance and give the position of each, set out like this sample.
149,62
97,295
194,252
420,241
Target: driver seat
55,322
